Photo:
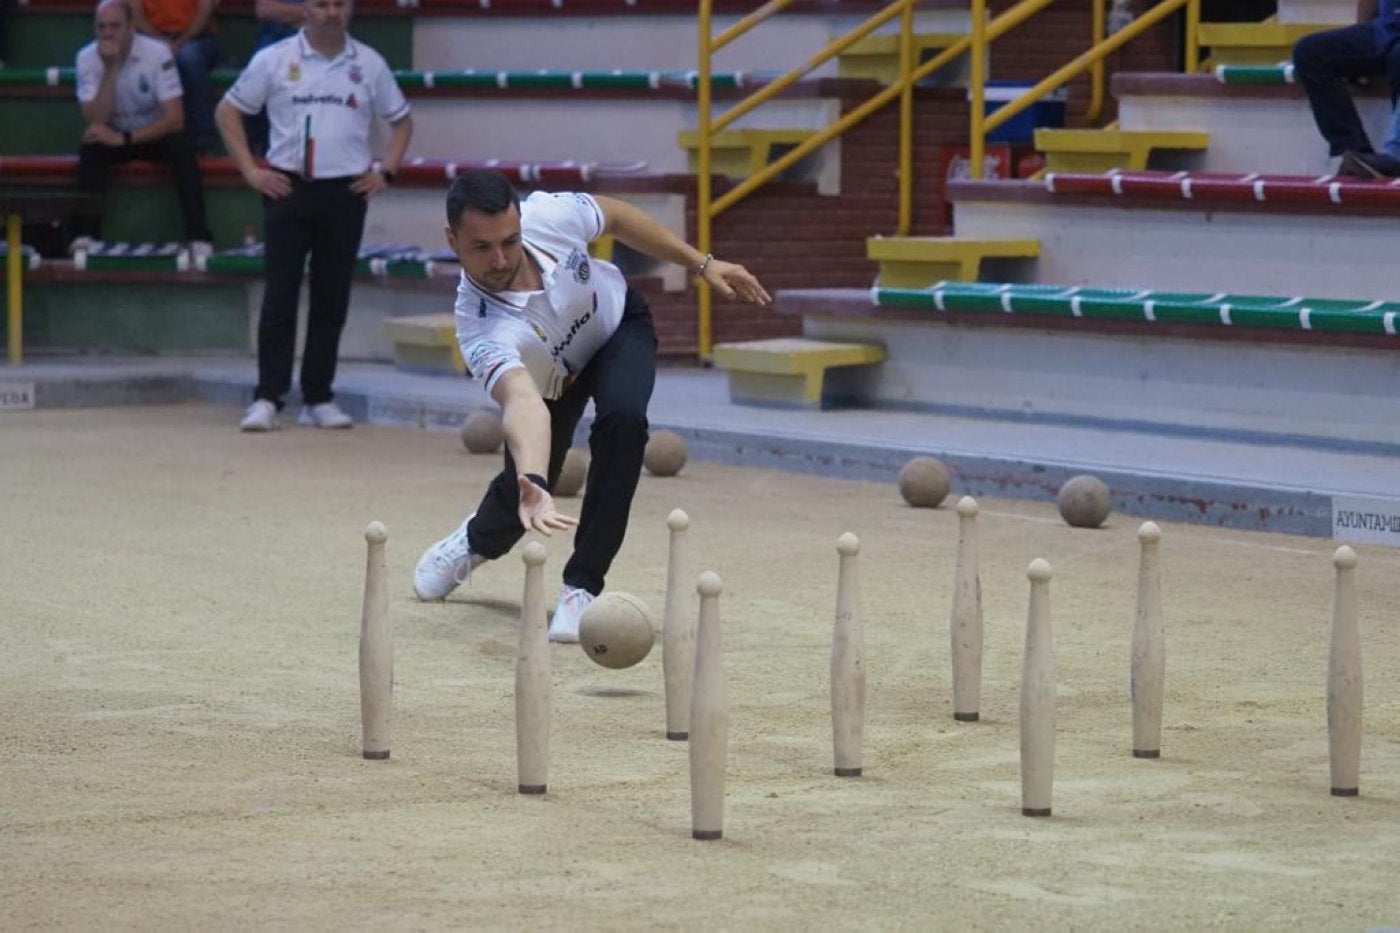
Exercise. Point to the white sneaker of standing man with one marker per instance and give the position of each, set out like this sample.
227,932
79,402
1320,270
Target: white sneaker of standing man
325,415
260,416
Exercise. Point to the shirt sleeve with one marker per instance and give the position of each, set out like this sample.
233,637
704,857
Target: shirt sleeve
88,77
250,92
571,213
488,351
389,102
168,85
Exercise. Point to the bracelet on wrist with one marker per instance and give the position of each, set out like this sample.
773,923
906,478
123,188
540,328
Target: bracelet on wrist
705,264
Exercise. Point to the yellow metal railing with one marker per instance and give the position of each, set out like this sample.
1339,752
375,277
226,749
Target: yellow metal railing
975,46
709,207
1091,60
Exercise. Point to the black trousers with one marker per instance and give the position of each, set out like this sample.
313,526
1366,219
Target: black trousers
95,161
619,380
1323,61
323,219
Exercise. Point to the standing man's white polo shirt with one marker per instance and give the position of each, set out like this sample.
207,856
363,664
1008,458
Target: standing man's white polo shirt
319,110
554,332
145,81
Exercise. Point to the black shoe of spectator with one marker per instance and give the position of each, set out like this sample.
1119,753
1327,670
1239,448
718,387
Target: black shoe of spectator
1369,165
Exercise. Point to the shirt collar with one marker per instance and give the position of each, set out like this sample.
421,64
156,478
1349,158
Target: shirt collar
306,51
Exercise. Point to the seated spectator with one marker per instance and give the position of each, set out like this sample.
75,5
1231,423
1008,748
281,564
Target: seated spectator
187,26
1324,61
277,19
131,102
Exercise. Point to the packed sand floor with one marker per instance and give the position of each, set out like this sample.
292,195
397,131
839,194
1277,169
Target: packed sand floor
180,710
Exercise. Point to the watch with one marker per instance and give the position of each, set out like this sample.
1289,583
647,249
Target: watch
387,175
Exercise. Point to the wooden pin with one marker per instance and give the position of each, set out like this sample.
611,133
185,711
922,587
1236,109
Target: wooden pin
677,633
532,678
709,718
1038,698
965,623
1344,681
848,664
376,650
1146,683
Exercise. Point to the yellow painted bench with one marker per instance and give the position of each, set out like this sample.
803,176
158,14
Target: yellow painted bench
878,57
1266,43
741,153
791,372
425,343
1107,149
921,261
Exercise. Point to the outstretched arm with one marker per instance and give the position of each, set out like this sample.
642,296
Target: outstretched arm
526,422
646,234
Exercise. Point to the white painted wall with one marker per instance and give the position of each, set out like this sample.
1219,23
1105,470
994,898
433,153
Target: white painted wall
1312,255
1249,134
1229,387
1340,12
637,42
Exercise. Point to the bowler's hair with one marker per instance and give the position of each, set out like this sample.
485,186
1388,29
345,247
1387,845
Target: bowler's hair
480,189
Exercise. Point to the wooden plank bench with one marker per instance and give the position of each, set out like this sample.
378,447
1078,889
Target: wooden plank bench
791,372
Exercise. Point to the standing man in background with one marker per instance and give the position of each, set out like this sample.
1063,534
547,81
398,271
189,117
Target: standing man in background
322,90
132,104
187,26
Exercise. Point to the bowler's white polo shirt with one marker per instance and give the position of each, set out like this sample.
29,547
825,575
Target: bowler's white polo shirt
554,332
319,110
144,82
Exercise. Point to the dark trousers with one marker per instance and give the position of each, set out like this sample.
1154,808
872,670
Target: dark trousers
1324,61
95,162
619,380
325,219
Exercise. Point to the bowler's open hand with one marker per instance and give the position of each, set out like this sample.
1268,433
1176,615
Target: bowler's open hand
734,281
537,512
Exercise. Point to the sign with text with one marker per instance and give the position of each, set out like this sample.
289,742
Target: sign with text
16,396
1373,521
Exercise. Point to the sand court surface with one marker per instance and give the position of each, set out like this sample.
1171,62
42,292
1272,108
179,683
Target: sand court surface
179,709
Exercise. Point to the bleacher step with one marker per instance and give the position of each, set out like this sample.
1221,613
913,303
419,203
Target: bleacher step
425,343
919,261
794,372
1107,149
1266,43
877,57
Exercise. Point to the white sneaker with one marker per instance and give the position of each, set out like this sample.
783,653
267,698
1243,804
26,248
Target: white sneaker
260,416
446,565
325,415
200,251
81,244
563,628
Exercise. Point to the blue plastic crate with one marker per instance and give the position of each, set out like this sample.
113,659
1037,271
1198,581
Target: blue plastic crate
1048,111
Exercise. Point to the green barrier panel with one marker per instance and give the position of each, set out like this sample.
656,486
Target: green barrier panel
546,81
627,81
480,80
1254,74
138,263
235,265
1323,314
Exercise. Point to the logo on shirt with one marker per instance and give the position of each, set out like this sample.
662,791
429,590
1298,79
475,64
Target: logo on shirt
304,99
578,264
481,308
294,71
356,75
539,333
352,103
145,85
167,64
578,325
